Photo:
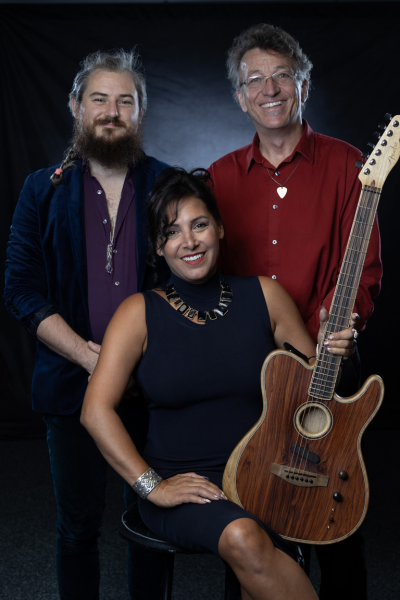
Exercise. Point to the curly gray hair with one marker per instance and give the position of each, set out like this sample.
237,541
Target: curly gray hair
269,38
117,61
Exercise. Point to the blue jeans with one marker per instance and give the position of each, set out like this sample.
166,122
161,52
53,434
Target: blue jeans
79,478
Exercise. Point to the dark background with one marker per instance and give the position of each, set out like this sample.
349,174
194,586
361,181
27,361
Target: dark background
192,120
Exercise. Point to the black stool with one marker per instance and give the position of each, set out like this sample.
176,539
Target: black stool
132,529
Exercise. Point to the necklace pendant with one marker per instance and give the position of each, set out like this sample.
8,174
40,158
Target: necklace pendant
109,267
282,191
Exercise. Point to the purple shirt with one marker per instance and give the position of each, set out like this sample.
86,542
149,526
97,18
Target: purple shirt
106,291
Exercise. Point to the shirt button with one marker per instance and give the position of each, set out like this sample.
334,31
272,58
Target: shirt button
99,191
275,206
276,173
274,242
273,276
117,283
115,251
104,221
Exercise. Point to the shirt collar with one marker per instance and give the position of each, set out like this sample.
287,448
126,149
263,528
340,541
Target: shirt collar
305,147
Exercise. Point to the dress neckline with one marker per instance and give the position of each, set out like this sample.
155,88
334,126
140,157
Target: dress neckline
202,296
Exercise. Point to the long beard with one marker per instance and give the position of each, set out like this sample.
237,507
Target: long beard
109,151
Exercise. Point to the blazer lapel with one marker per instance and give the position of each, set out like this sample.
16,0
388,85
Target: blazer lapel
73,186
143,179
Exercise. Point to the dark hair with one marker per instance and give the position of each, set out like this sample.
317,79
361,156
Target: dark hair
269,38
172,185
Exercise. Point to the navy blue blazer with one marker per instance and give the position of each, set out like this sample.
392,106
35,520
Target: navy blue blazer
46,272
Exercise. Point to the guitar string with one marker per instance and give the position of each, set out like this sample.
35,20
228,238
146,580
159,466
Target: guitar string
349,275
365,216
339,320
305,452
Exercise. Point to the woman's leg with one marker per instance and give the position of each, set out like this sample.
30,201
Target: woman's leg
264,572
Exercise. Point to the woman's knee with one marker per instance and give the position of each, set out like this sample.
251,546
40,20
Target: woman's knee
244,540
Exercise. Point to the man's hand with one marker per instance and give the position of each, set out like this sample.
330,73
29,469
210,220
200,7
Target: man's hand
59,337
93,357
181,489
343,342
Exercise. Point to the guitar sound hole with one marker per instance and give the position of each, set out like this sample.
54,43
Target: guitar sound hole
313,420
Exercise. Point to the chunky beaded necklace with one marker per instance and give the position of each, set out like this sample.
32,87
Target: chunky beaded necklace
187,311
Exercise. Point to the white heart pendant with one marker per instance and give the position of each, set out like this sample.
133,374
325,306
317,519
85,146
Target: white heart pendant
282,191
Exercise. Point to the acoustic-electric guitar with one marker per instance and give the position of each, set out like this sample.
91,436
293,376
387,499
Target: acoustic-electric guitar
300,468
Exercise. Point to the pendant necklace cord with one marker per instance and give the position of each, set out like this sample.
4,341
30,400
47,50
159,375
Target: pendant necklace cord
283,184
109,266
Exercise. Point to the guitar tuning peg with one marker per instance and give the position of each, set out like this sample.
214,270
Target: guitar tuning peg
382,126
387,117
364,155
371,145
377,136
359,164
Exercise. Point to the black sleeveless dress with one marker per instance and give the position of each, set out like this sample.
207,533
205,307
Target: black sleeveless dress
202,386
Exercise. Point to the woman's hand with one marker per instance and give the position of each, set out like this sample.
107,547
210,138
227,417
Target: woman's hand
181,489
343,342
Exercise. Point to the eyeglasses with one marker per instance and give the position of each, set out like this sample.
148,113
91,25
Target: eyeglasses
281,78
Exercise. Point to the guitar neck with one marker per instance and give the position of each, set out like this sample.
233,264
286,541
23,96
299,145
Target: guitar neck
326,370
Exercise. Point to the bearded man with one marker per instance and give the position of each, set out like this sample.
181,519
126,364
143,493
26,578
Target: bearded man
77,249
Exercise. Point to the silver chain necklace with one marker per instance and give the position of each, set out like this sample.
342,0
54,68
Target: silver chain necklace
282,190
110,250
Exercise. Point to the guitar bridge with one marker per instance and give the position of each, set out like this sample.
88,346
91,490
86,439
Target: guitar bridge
299,477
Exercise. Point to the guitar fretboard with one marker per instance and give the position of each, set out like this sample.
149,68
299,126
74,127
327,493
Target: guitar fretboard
326,370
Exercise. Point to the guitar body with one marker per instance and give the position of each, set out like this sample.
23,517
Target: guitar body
285,471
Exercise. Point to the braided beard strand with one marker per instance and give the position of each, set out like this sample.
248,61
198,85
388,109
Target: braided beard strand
124,150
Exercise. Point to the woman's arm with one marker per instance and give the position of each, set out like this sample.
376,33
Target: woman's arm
287,324
123,346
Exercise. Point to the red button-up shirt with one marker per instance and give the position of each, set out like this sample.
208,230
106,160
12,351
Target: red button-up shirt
300,239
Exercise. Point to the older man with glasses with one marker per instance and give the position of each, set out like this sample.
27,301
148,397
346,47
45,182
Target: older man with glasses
287,202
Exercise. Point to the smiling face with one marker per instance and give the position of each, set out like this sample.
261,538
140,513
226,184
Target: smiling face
192,245
107,126
274,106
110,104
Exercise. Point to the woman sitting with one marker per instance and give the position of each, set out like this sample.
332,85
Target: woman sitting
196,348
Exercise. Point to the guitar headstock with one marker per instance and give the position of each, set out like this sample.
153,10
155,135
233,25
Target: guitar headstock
383,156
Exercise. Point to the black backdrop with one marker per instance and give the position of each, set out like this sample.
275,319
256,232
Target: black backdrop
192,120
